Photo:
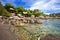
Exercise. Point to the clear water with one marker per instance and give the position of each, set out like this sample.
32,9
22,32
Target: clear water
51,26
47,27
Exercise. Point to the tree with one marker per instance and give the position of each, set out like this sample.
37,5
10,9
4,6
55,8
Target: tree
30,12
36,12
7,6
19,9
3,11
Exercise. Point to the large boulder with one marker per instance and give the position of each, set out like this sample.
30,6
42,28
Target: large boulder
51,37
0,19
32,21
5,32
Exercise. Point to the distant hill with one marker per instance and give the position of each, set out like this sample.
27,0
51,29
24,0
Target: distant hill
3,11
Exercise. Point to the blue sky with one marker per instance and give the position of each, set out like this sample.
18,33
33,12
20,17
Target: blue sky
47,6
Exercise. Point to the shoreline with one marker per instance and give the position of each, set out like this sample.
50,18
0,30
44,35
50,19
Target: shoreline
20,21
16,31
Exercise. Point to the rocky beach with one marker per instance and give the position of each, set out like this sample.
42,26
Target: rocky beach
19,22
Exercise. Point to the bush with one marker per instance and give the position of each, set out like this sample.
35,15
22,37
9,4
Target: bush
3,11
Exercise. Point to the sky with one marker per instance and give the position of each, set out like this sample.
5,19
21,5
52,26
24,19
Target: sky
46,6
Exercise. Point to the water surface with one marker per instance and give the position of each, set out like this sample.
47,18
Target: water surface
51,26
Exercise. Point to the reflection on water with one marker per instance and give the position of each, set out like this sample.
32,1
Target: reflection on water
47,27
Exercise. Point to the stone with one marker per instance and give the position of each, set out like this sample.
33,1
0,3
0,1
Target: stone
51,37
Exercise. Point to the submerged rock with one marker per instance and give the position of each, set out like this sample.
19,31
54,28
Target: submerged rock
51,37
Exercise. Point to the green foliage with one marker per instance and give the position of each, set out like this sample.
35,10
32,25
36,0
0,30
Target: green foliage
19,10
36,12
30,12
3,11
7,6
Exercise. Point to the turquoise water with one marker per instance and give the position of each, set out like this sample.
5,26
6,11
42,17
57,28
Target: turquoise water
35,30
49,27
52,26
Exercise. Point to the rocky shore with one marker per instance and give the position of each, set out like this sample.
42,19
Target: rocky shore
21,20
8,21
15,20
7,32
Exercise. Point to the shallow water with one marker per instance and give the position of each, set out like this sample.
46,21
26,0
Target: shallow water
47,27
52,26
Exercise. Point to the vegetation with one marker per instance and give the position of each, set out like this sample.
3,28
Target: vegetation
30,12
7,6
19,10
35,12
3,11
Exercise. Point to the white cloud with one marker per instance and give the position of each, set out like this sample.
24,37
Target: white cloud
47,13
29,2
38,5
44,6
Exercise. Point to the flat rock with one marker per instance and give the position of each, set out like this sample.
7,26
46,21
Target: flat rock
6,34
